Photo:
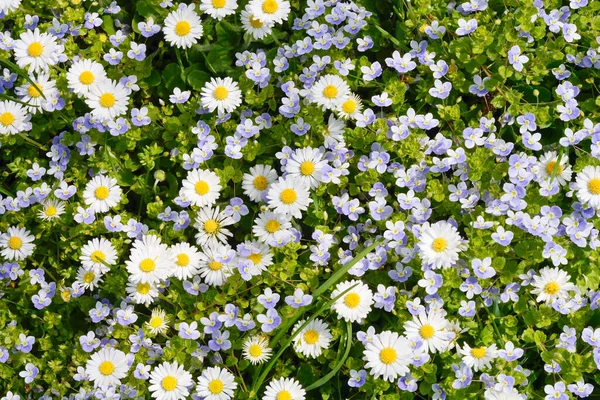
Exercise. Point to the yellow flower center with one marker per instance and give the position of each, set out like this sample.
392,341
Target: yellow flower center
218,3
352,300
255,350
107,100
255,257
50,211
260,183
215,265
288,196
182,28
215,386
107,368
88,277
550,168
15,243
551,288
66,295
101,192
35,49
594,186
311,336
284,395
220,93
156,321
33,92
478,352
7,118
426,331
201,188
183,260
272,226
86,78
270,7
307,168
255,22
387,355
330,92
97,256
349,106
439,245
211,226
147,265
143,288
169,383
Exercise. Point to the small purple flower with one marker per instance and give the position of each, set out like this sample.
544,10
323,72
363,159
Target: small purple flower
478,87
148,28
581,389
527,123
510,352
270,321
556,392
431,282
552,367
137,51
382,100
189,331
441,90
463,375
139,117
84,216
89,342
212,323
30,372
299,299
385,297
268,299
113,57
502,237
25,343
408,383
467,309
219,341
230,316
371,72
41,300
516,59
357,378
466,27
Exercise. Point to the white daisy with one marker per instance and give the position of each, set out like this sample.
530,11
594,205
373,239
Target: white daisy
256,350
37,99
270,11
187,259
439,244
158,322
215,264
355,304
548,165
142,292
388,355
201,187
349,107
270,226
587,185
330,91
552,284
284,389
107,367
504,394
16,243
430,327
333,133
102,193
478,357
108,100
255,183
306,164
85,74
258,253
216,384
221,93
218,9
88,277
211,223
254,26
13,118
51,209
150,260
169,381
289,196
7,6
313,338
98,252
183,27
37,50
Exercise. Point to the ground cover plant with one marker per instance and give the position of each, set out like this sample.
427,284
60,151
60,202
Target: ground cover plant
288,200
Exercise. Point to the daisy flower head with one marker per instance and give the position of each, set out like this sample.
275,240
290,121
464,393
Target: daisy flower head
478,358
88,278
222,94
330,91
504,394
187,260
211,223
37,97
37,50
216,384
108,100
306,164
158,322
51,209
16,243
270,227
258,253
549,165
355,304
439,244
107,367
201,187
98,252
313,338
388,356
102,193
83,75
218,9
270,11
215,264
169,381
349,107
289,196
13,118
182,27
587,185
254,26
552,284
284,389
7,6
142,292
256,350
430,327
256,182
150,260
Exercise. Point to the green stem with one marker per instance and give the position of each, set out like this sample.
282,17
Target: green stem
339,364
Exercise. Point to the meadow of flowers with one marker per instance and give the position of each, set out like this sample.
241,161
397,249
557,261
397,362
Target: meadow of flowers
299,199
